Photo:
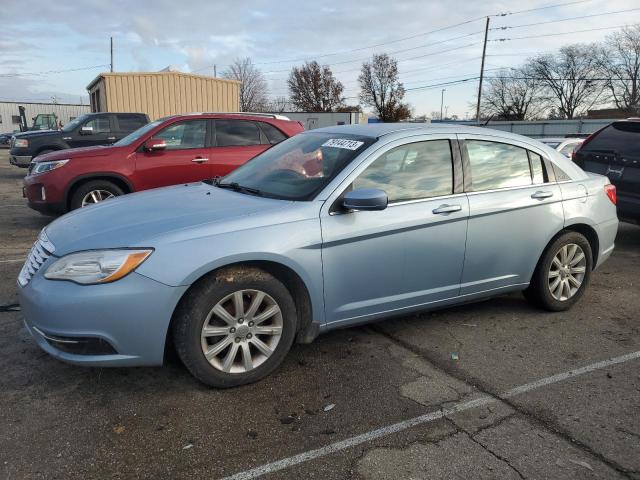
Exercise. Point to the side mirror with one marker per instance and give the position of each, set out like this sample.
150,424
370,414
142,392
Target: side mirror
155,144
366,199
86,130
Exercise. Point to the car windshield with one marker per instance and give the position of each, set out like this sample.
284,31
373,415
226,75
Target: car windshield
73,124
298,168
136,134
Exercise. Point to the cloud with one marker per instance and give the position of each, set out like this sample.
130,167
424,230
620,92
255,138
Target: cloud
196,34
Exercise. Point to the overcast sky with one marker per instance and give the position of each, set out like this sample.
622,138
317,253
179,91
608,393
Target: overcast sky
193,35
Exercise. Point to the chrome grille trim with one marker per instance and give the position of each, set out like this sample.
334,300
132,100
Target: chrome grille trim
41,250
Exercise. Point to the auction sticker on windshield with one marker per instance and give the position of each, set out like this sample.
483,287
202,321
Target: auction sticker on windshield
343,143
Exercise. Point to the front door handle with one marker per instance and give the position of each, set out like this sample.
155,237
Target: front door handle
111,138
446,209
541,195
200,160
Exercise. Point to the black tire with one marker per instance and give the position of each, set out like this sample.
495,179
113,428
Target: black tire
194,308
538,292
85,188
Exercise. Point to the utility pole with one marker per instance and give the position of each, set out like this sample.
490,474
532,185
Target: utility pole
442,102
111,43
215,71
484,52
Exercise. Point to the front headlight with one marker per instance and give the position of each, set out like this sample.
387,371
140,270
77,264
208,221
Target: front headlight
96,266
42,167
21,143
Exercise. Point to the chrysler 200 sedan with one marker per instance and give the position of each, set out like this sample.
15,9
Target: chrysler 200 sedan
331,228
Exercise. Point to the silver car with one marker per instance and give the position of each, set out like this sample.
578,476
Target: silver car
331,228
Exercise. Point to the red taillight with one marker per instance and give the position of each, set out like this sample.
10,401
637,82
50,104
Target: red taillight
610,190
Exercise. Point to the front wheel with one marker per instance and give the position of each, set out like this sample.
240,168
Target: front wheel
235,327
95,191
563,273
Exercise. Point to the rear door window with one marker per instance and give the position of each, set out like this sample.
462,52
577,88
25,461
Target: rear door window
272,133
129,123
496,165
231,133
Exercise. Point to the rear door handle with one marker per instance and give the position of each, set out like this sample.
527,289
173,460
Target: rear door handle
541,195
446,209
200,160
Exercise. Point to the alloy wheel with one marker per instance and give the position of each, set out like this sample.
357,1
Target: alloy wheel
241,331
95,196
567,272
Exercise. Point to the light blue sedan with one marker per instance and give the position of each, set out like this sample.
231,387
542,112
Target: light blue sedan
331,228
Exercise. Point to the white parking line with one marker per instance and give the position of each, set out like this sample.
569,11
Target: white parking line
13,260
422,419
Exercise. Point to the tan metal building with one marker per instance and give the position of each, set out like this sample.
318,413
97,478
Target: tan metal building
159,94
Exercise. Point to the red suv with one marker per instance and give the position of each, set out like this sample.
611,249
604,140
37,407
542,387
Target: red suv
176,149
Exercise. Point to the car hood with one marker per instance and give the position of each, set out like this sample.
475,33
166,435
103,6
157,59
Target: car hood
37,133
147,218
71,153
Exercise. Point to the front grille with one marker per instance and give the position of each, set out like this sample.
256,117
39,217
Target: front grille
42,249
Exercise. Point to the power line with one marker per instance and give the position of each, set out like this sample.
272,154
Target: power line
410,37
565,19
540,8
389,53
51,71
557,34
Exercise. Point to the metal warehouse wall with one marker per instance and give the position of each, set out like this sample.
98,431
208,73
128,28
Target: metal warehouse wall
159,94
64,112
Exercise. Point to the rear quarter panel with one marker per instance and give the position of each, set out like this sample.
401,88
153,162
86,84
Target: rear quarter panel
585,202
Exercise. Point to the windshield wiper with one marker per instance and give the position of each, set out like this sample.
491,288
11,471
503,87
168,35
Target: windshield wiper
236,187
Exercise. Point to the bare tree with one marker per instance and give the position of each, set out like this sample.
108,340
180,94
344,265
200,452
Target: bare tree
619,63
381,89
253,87
569,78
278,105
313,88
513,94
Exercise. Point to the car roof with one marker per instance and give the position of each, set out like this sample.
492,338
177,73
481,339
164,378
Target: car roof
237,115
377,130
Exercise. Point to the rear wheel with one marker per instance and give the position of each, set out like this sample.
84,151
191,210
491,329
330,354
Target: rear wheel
562,274
94,191
235,327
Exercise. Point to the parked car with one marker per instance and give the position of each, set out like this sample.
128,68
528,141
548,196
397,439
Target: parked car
176,149
565,146
614,151
84,131
333,227
5,138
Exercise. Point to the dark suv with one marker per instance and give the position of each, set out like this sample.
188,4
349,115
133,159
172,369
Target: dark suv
614,151
85,131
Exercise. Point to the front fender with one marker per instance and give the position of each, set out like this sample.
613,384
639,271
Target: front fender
295,245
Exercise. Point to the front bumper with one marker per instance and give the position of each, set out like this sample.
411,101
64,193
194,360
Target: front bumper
131,315
43,195
21,161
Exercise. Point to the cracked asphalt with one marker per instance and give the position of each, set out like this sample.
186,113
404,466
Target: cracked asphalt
63,422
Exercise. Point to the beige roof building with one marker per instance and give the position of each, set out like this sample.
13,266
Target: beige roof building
159,94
